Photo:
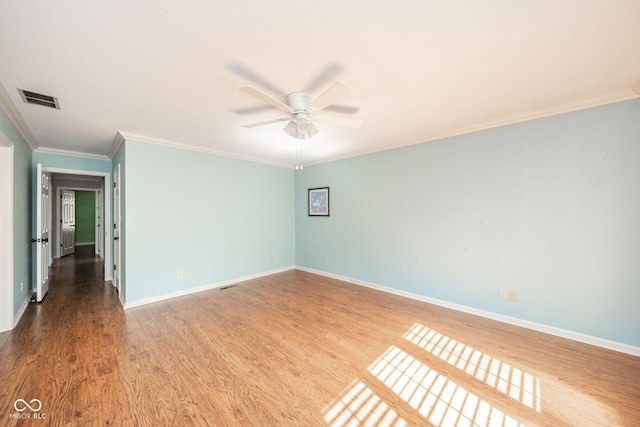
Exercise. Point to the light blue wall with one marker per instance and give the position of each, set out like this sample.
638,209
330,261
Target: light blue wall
549,208
21,212
71,162
211,217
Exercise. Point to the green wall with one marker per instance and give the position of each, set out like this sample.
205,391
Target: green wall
85,206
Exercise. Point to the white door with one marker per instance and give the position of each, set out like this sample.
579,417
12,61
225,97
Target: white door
98,233
43,222
117,213
68,222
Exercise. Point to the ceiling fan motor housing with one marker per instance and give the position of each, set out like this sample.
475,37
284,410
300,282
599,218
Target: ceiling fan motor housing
298,101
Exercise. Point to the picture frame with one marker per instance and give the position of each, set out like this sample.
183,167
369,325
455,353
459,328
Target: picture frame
318,201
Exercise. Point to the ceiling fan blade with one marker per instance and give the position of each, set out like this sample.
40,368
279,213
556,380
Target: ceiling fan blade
335,93
246,73
342,109
350,122
249,90
253,110
267,122
330,72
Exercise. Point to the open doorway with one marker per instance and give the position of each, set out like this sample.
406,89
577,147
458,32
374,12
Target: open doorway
78,215
98,184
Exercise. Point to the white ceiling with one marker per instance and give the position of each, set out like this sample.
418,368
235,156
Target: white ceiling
170,71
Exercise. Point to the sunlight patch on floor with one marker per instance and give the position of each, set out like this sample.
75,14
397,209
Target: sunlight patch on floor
433,395
511,381
360,406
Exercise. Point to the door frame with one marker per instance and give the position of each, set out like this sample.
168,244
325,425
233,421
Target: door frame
99,219
6,234
117,229
43,211
108,224
99,239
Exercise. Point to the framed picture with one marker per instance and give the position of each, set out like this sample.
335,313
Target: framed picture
319,201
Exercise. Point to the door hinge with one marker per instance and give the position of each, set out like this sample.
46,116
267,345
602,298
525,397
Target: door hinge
114,185
115,267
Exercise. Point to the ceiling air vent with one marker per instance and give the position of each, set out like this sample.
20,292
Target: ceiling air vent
38,98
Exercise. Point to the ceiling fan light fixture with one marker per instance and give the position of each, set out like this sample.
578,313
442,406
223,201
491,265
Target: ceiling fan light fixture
309,130
300,127
291,128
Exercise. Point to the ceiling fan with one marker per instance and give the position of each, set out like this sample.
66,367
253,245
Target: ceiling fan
301,110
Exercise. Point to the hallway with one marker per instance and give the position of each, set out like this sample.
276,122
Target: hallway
63,347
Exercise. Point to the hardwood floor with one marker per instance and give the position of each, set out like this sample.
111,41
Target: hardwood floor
295,349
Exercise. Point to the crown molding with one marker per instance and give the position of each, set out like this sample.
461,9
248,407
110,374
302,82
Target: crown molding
612,98
118,140
14,115
71,153
166,143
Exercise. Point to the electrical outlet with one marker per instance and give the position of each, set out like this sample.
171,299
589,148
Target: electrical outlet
180,275
272,258
503,294
326,260
513,296
21,286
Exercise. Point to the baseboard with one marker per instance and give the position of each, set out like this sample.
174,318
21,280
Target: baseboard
563,333
21,310
210,286
85,244
122,301
110,280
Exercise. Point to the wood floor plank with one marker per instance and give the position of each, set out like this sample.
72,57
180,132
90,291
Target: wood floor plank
296,349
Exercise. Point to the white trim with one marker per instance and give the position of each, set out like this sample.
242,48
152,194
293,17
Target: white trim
21,310
563,333
85,244
118,140
6,234
210,286
120,298
117,228
108,223
157,141
623,95
16,118
123,303
71,153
